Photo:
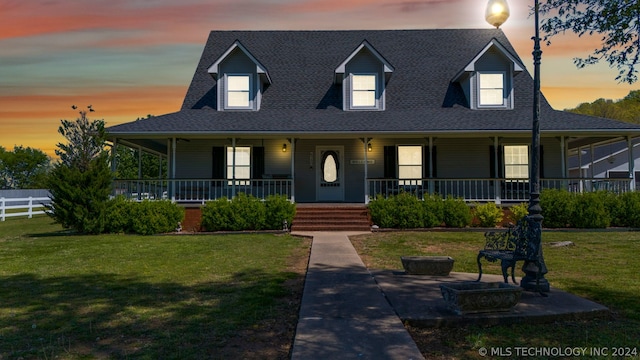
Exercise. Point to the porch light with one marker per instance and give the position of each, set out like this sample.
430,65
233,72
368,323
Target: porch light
369,147
497,12
284,147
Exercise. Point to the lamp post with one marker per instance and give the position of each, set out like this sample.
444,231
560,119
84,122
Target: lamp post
496,14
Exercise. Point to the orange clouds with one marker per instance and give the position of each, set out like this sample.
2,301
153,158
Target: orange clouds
33,120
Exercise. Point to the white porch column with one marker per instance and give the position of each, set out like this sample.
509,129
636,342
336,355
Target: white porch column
496,170
293,170
113,155
366,170
632,165
174,143
233,168
139,162
431,183
580,172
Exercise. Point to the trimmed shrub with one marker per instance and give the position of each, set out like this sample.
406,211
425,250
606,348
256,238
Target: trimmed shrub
155,217
248,213
118,218
408,210
433,211
456,213
278,208
557,208
518,212
217,215
614,206
488,215
382,211
590,211
630,209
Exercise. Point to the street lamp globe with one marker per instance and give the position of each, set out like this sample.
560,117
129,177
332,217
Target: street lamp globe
497,12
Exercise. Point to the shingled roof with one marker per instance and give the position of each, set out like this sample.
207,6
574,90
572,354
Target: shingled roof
304,99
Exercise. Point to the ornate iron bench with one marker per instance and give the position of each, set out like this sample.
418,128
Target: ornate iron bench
511,246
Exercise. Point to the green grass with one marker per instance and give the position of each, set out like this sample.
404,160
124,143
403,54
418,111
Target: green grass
603,266
150,297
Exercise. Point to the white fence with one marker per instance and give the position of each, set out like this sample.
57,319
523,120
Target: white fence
30,206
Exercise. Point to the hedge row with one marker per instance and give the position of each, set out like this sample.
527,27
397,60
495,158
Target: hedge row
145,218
405,211
560,209
246,212
600,209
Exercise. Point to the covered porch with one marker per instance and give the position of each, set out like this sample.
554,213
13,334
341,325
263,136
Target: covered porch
340,168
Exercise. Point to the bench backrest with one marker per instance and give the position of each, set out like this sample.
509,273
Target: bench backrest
514,239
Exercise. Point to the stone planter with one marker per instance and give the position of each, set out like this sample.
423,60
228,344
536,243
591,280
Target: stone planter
476,297
427,265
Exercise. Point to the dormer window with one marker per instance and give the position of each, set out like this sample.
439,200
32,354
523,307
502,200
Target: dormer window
363,76
487,80
364,92
238,94
241,79
491,86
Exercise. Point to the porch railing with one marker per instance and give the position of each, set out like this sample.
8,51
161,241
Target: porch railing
199,190
493,190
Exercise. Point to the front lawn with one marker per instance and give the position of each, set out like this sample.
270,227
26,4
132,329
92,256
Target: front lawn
603,266
150,297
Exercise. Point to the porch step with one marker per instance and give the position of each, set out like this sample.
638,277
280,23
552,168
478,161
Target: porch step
331,218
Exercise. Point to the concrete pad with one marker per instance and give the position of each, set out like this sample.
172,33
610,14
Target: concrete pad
418,301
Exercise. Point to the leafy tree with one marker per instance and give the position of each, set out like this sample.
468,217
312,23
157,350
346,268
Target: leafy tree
127,164
627,109
617,21
80,183
23,168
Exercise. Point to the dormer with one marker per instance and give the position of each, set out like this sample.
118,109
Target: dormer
240,78
487,80
363,76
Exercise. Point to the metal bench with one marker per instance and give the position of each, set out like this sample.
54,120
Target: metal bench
511,246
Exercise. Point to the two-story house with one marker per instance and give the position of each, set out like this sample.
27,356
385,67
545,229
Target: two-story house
342,116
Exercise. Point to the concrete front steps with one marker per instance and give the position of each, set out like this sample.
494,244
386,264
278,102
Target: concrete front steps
331,217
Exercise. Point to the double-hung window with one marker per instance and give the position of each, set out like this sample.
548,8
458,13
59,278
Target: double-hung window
409,164
516,161
363,90
238,94
239,166
491,86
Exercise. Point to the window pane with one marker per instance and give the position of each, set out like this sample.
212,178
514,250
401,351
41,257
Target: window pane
410,155
238,83
491,97
410,172
516,161
364,98
491,81
364,82
330,169
239,99
491,89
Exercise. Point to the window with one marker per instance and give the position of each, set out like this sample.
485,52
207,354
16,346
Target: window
363,90
409,164
516,161
238,91
241,166
491,89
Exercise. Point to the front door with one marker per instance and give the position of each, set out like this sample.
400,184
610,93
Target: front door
330,173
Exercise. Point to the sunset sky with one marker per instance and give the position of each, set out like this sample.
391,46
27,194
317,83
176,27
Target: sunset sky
130,58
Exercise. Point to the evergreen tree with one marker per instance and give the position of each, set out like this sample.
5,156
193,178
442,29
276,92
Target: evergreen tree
80,183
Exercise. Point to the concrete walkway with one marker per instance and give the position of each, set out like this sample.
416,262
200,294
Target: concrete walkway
344,314
350,312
